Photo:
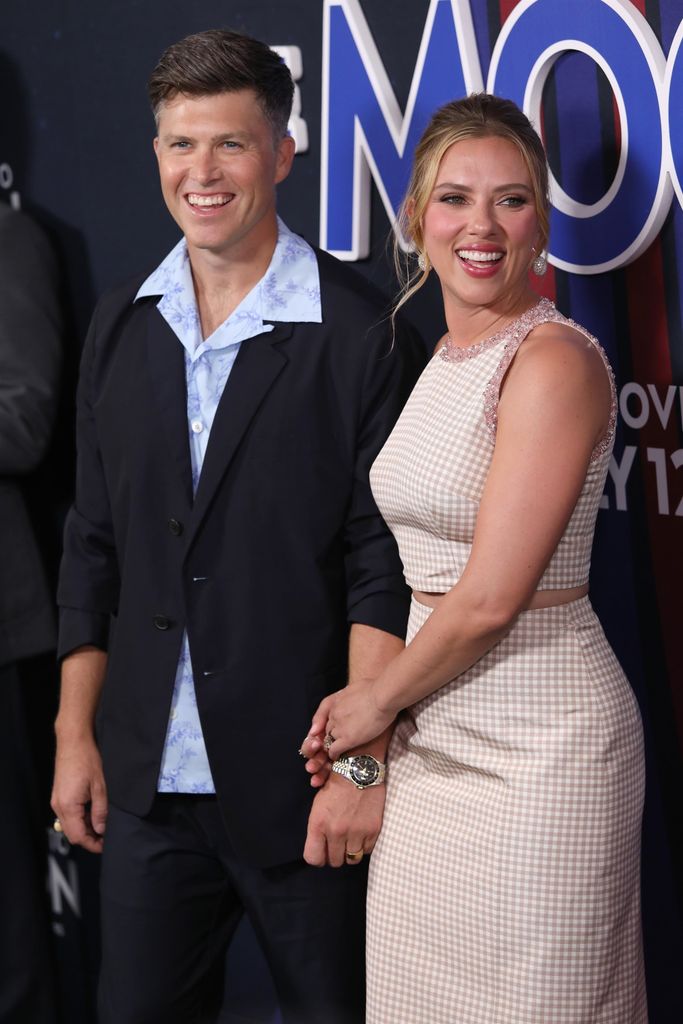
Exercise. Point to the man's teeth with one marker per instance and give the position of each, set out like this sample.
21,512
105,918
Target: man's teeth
475,256
196,200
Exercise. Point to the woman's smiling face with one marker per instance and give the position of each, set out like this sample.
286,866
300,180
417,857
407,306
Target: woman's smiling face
480,226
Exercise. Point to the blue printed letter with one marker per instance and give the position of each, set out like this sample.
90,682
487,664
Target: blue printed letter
588,238
363,132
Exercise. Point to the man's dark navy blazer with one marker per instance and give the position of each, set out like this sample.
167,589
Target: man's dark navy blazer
281,549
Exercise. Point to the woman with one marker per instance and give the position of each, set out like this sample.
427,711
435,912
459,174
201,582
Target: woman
505,884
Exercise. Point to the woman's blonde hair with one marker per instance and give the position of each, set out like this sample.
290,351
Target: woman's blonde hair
478,116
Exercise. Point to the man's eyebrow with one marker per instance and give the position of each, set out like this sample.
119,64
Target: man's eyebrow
237,134
222,136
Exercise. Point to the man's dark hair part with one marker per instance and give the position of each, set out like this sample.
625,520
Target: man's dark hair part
218,60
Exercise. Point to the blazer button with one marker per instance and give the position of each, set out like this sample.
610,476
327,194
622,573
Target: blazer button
161,622
175,527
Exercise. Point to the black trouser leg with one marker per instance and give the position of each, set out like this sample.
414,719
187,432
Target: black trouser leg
172,894
26,978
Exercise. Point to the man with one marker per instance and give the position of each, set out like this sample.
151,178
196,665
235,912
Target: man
225,567
30,360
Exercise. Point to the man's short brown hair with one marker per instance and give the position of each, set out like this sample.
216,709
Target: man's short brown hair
217,61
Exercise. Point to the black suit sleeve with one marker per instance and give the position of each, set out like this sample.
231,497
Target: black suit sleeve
89,575
30,361
376,589
30,344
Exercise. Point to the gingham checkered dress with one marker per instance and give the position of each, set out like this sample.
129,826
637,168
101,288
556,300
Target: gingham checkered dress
504,888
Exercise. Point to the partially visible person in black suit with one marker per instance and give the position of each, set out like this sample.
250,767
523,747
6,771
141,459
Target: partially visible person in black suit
225,567
30,358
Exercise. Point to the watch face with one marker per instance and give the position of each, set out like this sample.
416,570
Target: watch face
364,769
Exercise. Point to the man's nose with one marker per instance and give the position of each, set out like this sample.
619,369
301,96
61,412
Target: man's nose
205,167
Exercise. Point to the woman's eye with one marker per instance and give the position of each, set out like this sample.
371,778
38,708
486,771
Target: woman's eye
514,201
453,199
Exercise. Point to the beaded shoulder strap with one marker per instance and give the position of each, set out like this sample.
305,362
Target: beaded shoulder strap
542,313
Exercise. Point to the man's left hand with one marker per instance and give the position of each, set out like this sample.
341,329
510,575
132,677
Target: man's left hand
343,821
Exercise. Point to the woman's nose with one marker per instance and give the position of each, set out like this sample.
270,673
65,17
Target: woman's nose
481,219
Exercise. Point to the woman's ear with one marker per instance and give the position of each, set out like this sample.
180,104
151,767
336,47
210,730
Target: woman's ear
409,214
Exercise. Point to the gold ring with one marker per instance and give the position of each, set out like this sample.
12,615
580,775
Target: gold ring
57,825
328,741
354,857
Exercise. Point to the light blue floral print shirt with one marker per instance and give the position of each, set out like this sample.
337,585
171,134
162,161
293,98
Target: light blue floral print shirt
289,291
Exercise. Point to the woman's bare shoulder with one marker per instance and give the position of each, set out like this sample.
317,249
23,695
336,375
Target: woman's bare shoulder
558,374
559,351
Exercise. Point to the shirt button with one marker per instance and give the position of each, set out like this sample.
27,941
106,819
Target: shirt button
175,526
174,714
161,622
197,426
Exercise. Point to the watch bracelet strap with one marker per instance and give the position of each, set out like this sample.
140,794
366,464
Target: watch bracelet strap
342,767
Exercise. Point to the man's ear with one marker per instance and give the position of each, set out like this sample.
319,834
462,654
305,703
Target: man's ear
285,157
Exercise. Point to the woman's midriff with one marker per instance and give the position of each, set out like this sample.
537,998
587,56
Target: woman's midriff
541,598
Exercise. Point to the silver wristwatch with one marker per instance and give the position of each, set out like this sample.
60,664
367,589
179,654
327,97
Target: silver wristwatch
363,770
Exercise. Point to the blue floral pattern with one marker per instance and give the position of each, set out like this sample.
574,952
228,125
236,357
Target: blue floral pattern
289,291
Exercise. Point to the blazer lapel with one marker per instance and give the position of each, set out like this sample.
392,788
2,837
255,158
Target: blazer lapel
167,371
258,364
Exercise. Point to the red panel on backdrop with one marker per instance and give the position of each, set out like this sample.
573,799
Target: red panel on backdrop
651,363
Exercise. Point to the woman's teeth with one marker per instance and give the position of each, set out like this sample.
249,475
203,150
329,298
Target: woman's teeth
475,256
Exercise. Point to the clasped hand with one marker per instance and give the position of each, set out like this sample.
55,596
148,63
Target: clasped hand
344,821
348,718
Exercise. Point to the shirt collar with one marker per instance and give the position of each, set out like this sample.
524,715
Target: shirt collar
289,291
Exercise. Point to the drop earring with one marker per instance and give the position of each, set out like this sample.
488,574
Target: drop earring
422,262
539,265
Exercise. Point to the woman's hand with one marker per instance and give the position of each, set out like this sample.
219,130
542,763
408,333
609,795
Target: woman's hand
345,720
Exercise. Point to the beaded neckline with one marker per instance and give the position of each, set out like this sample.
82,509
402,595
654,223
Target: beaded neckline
452,353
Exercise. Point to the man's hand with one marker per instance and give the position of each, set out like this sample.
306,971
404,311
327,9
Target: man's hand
343,820
318,765
79,794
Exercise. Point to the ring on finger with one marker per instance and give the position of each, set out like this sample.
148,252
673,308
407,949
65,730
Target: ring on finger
328,741
354,857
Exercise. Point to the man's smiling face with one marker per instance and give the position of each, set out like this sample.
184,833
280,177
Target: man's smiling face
219,164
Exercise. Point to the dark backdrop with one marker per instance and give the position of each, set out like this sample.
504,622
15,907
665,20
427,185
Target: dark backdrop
76,152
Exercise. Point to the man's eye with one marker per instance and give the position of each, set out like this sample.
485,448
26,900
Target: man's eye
180,144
